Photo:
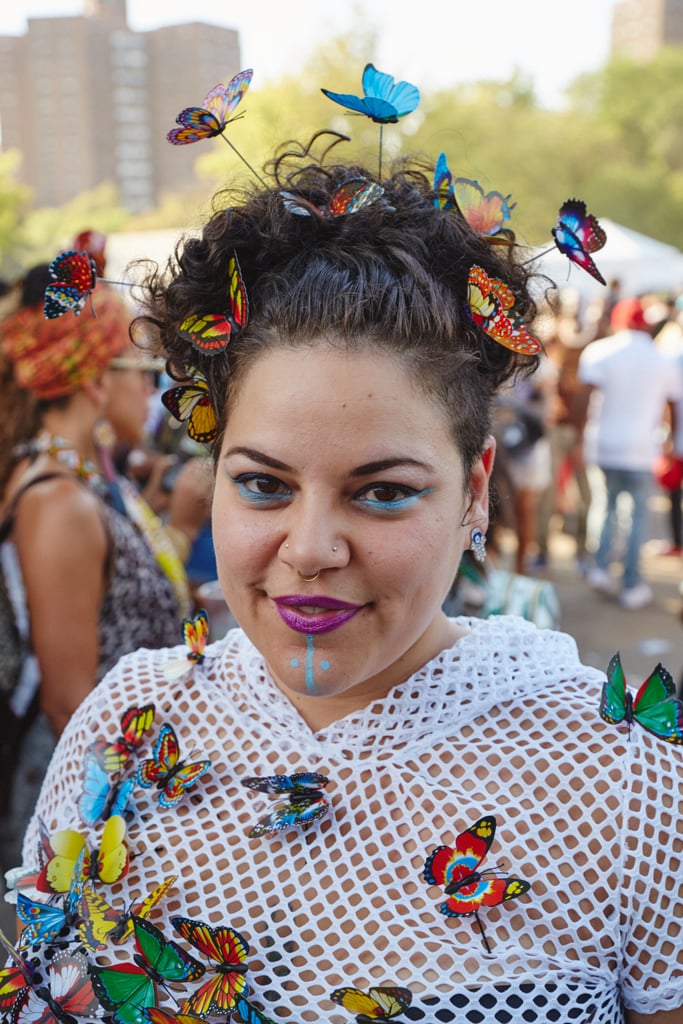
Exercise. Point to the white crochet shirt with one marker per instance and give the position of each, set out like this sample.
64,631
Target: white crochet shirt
504,723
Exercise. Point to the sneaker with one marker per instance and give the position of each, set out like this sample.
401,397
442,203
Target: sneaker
600,580
636,597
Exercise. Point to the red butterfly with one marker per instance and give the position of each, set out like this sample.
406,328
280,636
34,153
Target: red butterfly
75,276
68,995
468,889
577,234
210,333
491,303
171,776
349,197
212,119
135,722
228,950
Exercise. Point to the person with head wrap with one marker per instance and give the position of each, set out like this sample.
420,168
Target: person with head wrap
83,558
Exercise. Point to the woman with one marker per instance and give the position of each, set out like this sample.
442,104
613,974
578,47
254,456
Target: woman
81,555
352,459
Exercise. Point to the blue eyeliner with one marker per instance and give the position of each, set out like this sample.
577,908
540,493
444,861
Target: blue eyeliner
396,506
253,496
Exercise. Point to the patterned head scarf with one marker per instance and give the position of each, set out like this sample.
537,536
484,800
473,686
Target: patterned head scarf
52,358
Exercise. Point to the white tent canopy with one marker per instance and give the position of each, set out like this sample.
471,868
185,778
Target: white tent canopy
639,263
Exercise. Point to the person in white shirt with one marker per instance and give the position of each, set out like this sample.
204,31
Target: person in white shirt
632,384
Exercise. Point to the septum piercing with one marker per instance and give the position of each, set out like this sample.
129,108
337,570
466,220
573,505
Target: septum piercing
310,579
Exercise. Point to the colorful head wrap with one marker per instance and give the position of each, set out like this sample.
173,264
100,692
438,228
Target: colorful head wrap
52,358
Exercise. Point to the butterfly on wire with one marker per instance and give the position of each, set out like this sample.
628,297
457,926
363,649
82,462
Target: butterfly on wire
305,801
490,304
577,234
485,212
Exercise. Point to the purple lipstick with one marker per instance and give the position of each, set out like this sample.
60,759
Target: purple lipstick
310,613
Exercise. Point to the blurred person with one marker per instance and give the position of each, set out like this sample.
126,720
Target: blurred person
669,341
84,558
629,385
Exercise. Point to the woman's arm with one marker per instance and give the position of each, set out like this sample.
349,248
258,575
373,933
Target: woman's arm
62,545
665,1017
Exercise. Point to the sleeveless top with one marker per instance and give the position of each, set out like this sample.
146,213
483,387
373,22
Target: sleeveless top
503,724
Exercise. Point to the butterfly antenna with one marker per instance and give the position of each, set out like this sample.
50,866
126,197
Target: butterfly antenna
482,932
244,160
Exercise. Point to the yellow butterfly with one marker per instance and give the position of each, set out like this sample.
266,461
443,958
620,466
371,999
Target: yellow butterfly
191,402
376,1004
106,864
101,923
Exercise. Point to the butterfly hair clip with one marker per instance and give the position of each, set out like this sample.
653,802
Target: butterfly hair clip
190,403
75,275
385,1002
467,888
305,801
654,706
351,196
195,636
214,116
577,234
384,101
485,212
490,304
228,950
210,333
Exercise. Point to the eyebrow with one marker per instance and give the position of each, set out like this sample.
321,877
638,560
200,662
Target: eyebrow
368,469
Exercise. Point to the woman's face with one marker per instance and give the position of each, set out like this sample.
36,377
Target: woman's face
336,464
130,386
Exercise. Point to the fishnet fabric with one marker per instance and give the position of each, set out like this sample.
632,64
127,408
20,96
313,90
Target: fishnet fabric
504,723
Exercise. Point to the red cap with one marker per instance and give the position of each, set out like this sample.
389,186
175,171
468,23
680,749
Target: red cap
629,314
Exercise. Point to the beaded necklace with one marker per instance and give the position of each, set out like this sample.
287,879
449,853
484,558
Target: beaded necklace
64,453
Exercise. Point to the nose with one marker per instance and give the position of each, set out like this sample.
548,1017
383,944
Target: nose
315,538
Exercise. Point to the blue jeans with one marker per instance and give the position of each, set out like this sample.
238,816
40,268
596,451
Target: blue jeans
637,483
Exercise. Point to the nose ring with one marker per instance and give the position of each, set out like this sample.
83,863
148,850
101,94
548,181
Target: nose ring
310,579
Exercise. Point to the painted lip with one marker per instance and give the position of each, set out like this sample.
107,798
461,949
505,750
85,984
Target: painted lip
288,606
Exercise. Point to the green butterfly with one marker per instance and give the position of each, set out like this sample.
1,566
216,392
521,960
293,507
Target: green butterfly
654,706
126,989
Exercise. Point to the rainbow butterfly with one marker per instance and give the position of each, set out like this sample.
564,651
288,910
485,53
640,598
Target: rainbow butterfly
195,634
228,949
577,234
75,276
191,403
107,864
654,706
485,212
164,770
44,921
382,1003
16,979
456,868
210,333
213,117
305,803
490,302
349,197
101,923
135,722
100,799
384,100
67,995
127,989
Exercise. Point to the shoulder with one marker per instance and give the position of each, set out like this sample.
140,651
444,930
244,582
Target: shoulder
62,496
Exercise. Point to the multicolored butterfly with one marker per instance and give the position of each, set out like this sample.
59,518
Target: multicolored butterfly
490,302
210,333
228,949
456,868
195,635
135,722
306,801
127,989
16,979
107,864
23,877
213,117
577,234
384,101
75,277
654,706
383,1003
164,770
248,1014
156,1016
191,403
485,212
67,996
349,197
101,923
44,921
100,798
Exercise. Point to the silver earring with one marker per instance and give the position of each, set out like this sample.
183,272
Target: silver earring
478,545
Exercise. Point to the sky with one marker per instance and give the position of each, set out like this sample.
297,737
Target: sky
427,42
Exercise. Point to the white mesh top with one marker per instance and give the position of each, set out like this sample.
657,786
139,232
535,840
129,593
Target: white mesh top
505,723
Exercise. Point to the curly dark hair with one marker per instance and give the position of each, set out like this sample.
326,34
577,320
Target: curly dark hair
391,276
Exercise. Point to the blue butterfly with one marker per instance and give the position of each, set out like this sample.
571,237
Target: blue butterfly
100,799
249,1014
305,802
384,100
45,921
